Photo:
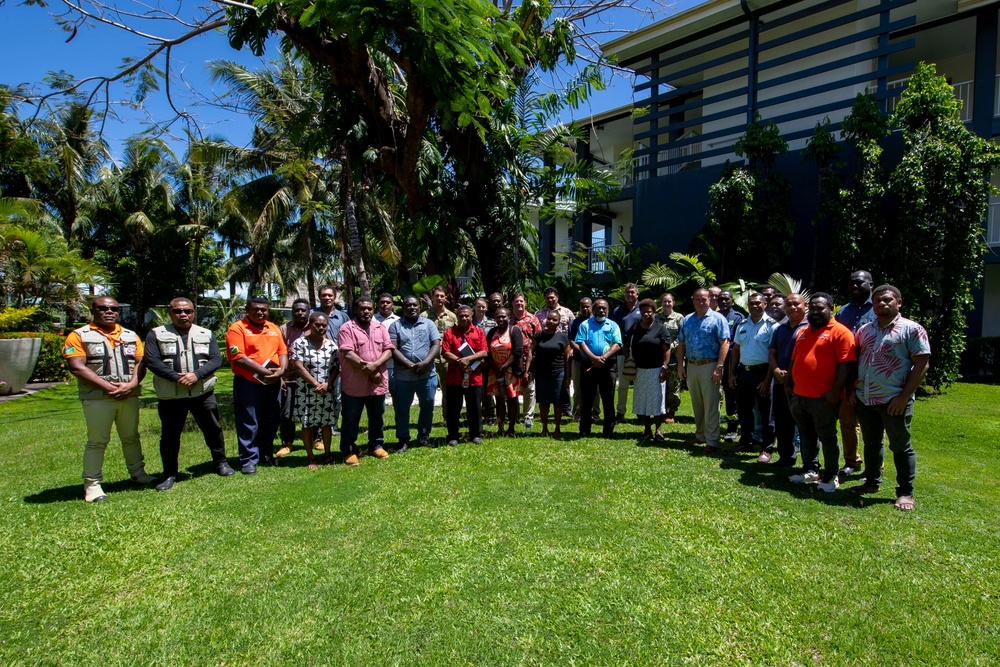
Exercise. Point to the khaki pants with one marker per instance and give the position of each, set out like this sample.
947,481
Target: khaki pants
705,394
101,415
849,429
528,395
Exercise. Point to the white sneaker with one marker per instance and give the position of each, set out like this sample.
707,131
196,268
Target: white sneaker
830,486
528,423
143,478
808,477
92,492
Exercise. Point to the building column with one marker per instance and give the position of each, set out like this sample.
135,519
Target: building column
984,88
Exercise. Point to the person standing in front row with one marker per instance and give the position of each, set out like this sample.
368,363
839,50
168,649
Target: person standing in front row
551,352
259,358
314,359
364,347
335,318
648,343
505,345
703,343
779,360
565,320
183,358
107,360
893,354
822,361
599,339
749,376
671,320
416,342
464,346
443,319
625,316
290,384
529,325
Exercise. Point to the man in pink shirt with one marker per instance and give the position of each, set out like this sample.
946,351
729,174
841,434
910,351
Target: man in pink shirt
364,380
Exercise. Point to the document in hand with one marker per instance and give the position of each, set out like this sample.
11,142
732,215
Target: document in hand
465,350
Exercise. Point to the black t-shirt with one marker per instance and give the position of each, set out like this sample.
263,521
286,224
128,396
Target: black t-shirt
647,344
550,354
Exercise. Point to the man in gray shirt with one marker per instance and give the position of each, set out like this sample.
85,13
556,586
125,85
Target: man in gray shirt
417,343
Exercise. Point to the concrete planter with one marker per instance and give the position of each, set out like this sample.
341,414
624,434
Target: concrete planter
17,361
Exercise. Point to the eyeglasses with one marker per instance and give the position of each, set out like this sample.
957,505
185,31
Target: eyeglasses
113,309
180,311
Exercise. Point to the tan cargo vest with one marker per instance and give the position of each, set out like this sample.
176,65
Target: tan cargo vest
183,359
112,364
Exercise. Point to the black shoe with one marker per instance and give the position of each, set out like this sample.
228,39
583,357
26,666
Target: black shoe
423,443
268,461
850,469
224,470
785,463
453,443
249,469
477,441
166,484
402,448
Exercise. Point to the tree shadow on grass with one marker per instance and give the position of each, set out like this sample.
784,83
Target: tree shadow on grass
676,440
74,492
767,476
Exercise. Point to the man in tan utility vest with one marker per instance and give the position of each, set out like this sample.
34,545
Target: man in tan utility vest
183,358
107,362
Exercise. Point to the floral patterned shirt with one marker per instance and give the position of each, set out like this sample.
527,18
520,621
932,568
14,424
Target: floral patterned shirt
885,357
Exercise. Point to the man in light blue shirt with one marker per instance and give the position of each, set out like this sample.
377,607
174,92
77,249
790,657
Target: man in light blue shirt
417,342
599,340
749,376
703,342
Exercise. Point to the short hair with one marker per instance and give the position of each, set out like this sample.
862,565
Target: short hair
518,294
550,290
259,298
497,294
327,287
181,298
363,299
888,288
410,296
702,289
386,295
647,303
305,301
757,295
504,309
587,298
725,291
822,295
629,286
777,295
439,288
314,315
462,307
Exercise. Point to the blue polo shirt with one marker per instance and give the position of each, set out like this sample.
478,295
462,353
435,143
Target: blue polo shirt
854,317
783,342
702,336
413,340
598,336
334,321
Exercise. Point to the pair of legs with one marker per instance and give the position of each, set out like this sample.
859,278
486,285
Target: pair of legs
577,372
849,436
257,415
817,422
875,422
784,425
623,385
424,388
353,406
731,403
671,394
705,395
748,396
506,412
287,426
473,399
173,413
101,415
598,381
528,394
309,439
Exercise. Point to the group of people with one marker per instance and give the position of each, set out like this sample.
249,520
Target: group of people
784,369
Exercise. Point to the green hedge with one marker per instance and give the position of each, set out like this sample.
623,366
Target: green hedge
981,360
51,367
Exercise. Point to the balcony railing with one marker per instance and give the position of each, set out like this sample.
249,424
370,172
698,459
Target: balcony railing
594,261
963,91
993,224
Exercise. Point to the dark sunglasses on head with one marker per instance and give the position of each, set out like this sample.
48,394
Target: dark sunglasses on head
185,311
113,309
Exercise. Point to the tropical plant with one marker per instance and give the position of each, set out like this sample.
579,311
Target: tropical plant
786,284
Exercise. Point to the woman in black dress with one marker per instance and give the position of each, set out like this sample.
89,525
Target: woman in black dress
648,343
551,353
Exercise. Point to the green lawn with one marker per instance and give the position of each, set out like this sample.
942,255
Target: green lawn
519,551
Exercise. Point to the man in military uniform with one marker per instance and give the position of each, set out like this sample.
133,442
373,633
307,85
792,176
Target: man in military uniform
183,358
107,360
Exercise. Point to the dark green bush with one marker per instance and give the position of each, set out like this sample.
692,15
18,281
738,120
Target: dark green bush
981,360
51,367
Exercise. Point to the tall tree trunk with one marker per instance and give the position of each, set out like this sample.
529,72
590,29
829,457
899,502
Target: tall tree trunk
354,237
195,259
310,260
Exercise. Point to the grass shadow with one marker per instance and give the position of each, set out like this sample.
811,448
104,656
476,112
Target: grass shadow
74,492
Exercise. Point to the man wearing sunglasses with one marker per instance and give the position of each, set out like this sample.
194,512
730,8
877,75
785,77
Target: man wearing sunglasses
183,358
108,363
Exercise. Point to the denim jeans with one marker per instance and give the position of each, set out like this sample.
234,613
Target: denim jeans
353,406
817,421
257,412
876,420
424,389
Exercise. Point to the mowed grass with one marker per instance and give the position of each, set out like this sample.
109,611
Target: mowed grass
518,551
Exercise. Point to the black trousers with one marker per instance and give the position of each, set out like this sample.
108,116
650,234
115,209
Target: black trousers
602,380
288,426
748,378
173,415
784,423
473,397
730,396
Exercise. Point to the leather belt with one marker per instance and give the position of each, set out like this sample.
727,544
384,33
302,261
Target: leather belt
751,366
702,362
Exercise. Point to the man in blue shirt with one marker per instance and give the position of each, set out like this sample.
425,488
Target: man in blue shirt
599,339
735,318
748,375
854,315
703,342
417,342
779,360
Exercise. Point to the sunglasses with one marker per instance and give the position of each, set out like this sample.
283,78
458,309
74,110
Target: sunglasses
179,311
113,309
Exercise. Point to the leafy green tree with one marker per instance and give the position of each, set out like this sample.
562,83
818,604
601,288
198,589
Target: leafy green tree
935,240
824,151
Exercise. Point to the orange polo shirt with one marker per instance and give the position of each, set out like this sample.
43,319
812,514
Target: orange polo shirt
259,343
73,347
817,355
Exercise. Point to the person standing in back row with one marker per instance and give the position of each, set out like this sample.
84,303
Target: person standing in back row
854,315
625,316
183,358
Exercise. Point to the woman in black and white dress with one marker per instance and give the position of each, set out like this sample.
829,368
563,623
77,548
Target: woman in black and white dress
314,358
648,343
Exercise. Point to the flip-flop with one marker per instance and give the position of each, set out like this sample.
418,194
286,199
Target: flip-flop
905,503
658,437
313,466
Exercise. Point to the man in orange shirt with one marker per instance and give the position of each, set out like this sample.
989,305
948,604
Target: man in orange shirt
257,352
822,361
107,362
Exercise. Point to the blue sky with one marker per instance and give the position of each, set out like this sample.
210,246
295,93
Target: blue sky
33,46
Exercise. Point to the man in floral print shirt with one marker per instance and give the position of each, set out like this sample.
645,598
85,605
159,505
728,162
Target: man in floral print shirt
893,353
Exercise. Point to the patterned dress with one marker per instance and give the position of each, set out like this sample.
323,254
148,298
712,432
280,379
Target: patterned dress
500,351
312,409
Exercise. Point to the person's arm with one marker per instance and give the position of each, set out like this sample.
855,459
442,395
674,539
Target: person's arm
897,405
734,362
123,390
214,359
666,360
567,360
772,367
832,397
78,367
299,367
155,362
428,362
720,362
681,349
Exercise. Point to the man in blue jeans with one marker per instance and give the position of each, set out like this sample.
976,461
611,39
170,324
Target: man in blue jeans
893,353
417,342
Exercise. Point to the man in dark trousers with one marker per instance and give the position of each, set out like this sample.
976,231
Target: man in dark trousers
183,358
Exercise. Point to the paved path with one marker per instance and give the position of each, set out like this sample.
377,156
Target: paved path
29,389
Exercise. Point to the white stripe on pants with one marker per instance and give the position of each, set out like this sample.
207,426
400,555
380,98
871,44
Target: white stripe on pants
705,395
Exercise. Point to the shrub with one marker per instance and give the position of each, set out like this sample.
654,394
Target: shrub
51,367
13,319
